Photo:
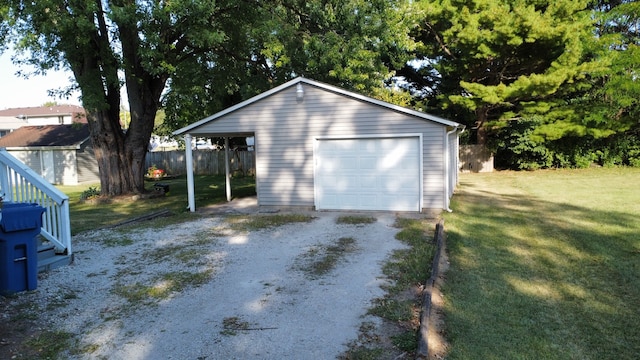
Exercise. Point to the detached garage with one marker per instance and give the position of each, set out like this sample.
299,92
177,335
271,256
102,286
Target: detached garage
324,148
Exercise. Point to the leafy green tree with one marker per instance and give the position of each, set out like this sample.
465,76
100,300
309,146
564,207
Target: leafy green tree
348,43
488,62
108,43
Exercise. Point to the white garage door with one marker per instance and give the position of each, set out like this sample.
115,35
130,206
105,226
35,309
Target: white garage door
368,174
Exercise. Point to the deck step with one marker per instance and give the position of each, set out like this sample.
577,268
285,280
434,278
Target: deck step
54,262
45,251
48,259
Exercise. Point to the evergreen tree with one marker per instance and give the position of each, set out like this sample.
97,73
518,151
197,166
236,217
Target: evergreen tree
487,62
613,102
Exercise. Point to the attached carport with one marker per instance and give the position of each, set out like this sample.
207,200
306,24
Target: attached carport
324,148
189,143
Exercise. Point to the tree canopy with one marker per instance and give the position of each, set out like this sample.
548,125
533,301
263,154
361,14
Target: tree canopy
559,76
193,57
348,43
501,60
564,69
107,43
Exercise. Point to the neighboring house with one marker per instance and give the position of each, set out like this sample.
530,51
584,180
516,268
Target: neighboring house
12,119
62,154
10,123
321,147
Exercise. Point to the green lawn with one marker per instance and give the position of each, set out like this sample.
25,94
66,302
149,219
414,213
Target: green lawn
208,190
544,265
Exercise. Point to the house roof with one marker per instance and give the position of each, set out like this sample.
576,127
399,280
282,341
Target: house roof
77,112
46,136
326,87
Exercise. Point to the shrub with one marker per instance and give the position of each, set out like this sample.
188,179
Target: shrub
90,193
517,146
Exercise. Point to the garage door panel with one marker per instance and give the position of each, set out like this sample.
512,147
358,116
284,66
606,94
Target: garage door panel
368,200
398,186
368,182
330,200
394,203
368,174
347,162
367,146
368,162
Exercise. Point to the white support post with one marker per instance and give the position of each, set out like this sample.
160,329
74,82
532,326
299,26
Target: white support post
226,168
190,183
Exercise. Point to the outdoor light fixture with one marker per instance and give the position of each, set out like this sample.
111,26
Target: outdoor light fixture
299,92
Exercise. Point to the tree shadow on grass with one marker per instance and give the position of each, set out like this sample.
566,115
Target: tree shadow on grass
208,190
539,279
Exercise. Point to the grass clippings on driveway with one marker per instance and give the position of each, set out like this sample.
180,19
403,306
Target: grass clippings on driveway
544,265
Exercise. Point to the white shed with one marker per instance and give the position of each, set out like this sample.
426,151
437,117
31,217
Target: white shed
62,154
324,148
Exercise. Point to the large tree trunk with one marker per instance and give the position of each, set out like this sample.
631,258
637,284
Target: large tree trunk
114,156
120,155
95,67
144,90
144,98
481,119
111,154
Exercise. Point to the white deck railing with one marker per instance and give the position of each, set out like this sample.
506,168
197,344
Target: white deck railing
19,183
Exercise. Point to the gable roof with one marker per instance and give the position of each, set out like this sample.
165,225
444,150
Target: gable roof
76,112
326,87
47,136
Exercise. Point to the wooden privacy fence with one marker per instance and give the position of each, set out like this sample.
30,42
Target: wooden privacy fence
205,162
475,158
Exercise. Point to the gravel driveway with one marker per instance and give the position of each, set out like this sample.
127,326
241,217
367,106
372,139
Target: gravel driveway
202,290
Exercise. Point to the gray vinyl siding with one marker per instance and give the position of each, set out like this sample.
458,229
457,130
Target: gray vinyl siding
62,174
29,158
65,167
70,166
285,130
87,165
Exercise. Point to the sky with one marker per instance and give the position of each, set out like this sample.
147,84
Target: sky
19,92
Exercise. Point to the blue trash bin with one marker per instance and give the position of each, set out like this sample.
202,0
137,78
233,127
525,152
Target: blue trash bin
20,223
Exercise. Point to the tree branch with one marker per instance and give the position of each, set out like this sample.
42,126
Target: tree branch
440,41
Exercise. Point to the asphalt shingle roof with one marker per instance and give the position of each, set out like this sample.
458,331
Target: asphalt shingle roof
46,135
77,112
